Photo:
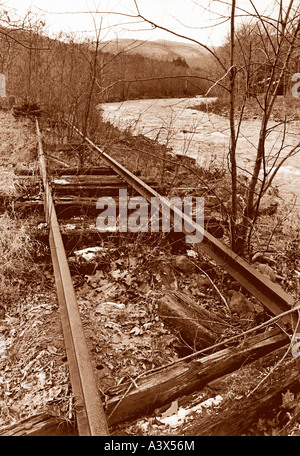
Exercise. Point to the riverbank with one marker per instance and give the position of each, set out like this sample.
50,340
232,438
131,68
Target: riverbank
178,125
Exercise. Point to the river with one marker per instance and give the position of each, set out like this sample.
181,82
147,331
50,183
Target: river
206,137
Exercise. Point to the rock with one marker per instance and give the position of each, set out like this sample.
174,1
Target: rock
177,242
260,257
240,304
203,282
266,270
184,264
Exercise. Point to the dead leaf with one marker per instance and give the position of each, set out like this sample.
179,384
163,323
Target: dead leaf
132,261
137,331
52,349
93,280
288,400
144,287
121,339
120,261
26,385
27,368
107,288
54,392
172,410
266,270
147,325
117,274
41,379
105,308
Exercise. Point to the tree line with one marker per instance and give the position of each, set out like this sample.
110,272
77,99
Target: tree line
71,76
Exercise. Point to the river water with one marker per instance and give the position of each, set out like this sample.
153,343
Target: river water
205,137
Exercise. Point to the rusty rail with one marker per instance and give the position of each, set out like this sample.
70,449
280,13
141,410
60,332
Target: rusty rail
91,419
271,295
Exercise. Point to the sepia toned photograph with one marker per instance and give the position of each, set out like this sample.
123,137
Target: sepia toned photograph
149,232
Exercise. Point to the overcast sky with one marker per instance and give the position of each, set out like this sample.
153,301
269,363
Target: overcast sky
193,18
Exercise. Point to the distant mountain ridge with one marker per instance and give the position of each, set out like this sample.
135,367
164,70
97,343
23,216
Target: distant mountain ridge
194,55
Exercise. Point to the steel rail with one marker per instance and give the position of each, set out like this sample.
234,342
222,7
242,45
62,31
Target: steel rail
90,415
270,294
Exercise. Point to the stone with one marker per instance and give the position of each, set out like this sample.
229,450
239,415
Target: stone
264,258
266,270
203,282
184,264
239,304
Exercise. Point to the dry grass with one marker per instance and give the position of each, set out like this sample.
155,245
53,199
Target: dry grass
16,257
17,147
8,183
18,141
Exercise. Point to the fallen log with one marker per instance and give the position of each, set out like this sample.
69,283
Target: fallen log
196,326
245,411
41,424
153,390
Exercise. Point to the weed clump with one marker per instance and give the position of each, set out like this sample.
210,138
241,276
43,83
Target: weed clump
17,264
8,184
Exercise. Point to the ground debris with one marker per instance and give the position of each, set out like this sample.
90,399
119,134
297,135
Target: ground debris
34,375
118,298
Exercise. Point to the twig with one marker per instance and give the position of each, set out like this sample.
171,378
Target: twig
120,400
279,362
216,288
194,355
218,81
220,344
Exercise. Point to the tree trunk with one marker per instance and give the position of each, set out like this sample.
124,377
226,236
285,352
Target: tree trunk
232,149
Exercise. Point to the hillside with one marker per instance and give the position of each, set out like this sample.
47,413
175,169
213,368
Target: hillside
36,66
160,50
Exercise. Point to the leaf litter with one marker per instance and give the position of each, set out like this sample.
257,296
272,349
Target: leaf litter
34,374
118,308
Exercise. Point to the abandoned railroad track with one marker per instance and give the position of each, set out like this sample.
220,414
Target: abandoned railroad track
70,196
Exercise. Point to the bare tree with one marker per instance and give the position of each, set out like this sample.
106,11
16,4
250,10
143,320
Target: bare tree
277,36
253,65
